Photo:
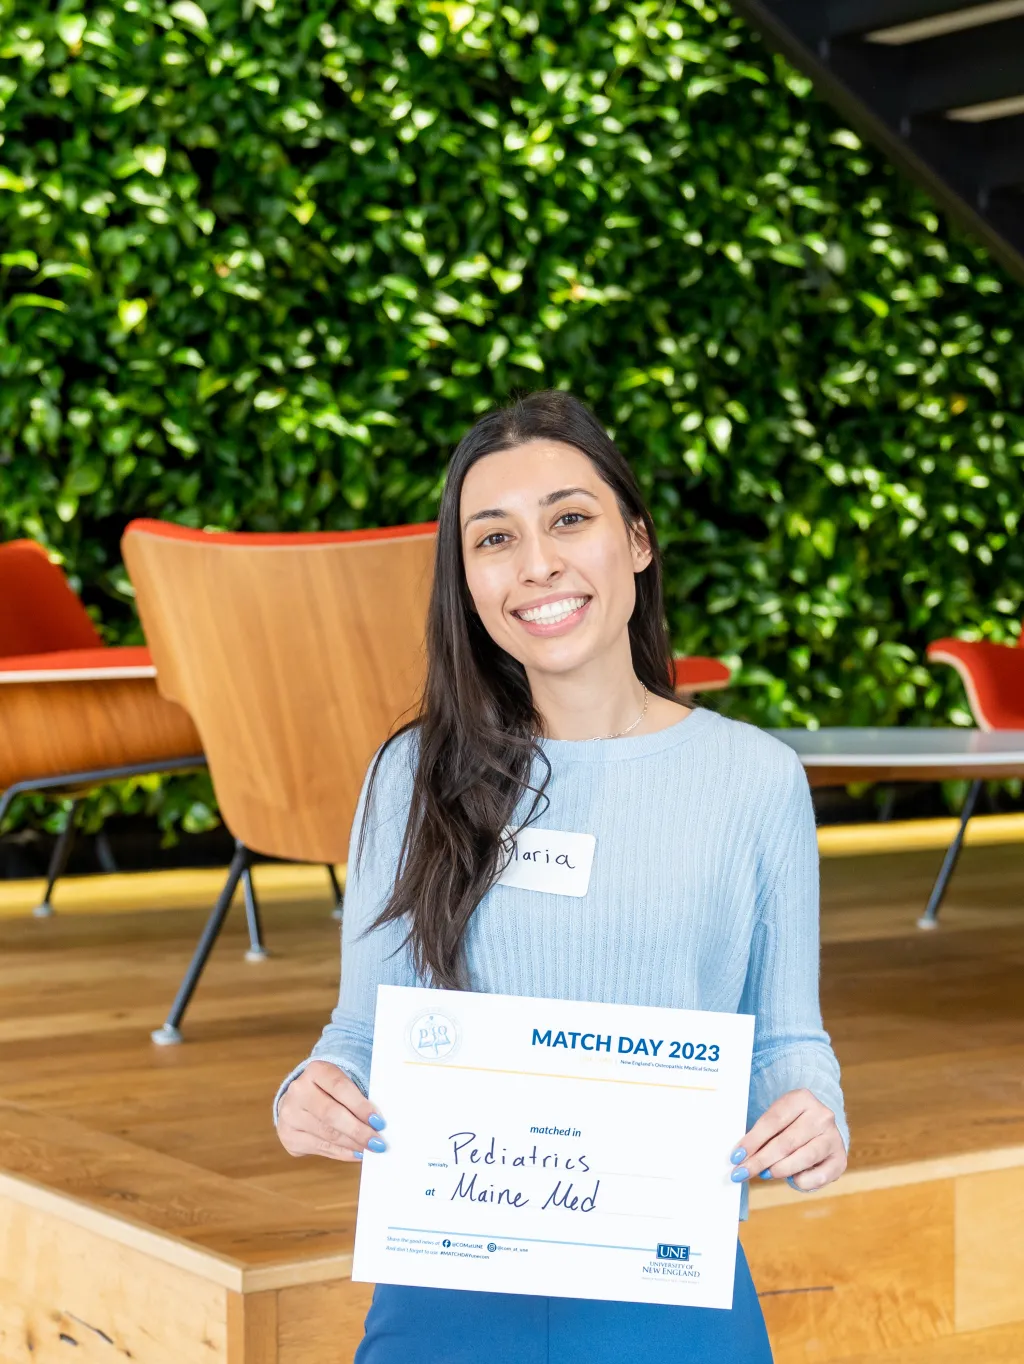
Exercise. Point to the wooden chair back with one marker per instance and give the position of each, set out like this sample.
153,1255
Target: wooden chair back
295,655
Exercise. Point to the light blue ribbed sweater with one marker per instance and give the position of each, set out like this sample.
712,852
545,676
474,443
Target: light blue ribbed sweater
703,895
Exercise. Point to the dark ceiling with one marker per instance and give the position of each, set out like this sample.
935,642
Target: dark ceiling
938,84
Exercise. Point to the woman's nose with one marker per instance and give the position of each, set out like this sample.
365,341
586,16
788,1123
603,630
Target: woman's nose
539,561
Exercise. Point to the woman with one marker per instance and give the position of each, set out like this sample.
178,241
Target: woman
548,700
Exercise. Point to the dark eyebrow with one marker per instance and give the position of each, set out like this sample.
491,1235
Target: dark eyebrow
496,513
552,498
492,513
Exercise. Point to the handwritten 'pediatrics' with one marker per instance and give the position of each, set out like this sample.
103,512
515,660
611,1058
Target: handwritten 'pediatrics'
567,1195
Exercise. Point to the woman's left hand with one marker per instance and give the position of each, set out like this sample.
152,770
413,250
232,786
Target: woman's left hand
796,1139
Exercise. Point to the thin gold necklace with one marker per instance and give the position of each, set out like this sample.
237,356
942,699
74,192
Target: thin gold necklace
622,732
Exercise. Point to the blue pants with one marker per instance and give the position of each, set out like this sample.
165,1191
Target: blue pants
442,1326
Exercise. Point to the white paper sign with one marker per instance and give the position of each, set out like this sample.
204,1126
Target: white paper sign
553,1147
550,860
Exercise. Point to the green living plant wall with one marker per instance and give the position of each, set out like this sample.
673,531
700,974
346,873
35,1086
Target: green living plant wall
262,263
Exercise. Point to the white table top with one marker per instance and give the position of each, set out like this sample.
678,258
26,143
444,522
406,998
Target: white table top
113,674
900,746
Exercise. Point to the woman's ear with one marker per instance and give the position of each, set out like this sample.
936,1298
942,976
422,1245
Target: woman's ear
639,546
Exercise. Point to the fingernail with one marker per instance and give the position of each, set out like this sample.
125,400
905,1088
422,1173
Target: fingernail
738,1176
375,1144
357,1155
765,1174
376,1122
738,1155
794,1185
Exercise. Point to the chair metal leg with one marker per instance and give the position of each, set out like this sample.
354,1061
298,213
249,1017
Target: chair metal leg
105,853
170,1034
930,918
75,781
256,952
338,912
58,861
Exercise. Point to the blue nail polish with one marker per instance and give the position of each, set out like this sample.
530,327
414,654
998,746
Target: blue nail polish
738,1176
738,1155
357,1155
794,1185
376,1122
765,1174
375,1144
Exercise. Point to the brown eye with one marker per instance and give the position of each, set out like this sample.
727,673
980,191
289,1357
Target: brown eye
571,519
496,537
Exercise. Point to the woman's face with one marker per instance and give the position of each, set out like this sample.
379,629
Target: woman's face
550,563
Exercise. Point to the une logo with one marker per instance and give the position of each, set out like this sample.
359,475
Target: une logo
446,1243
434,1036
669,1252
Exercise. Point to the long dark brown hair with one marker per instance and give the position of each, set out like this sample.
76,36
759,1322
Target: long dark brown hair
478,729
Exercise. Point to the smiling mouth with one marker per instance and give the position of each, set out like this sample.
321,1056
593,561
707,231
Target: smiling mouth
552,612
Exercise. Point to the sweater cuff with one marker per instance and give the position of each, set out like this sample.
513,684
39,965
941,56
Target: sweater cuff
816,1071
344,1066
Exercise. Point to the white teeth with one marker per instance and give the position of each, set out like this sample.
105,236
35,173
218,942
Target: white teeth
553,611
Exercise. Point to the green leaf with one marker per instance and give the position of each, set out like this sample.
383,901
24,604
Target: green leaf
84,480
877,305
528,359
9,181
53,269
845,137
720,430
128,98
132,312
70,28
151,157
190,14
506,280
188,355
36,301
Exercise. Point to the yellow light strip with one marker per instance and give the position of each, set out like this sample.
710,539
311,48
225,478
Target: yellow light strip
984,113
939,24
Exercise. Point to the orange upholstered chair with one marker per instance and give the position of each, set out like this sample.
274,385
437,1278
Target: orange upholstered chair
693,673
993,678
295,655
73,713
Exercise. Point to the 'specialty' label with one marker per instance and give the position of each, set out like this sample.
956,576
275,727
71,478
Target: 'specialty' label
551,861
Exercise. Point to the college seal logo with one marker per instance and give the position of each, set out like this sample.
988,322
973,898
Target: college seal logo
434,1037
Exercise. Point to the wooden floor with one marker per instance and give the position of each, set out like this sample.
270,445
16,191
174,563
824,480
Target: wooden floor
929,1028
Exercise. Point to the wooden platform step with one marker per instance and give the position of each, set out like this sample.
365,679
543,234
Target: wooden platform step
161,1263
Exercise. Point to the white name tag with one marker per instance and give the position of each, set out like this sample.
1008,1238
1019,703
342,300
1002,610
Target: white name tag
551,861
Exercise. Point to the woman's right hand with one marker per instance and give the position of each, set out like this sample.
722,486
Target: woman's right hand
322,1113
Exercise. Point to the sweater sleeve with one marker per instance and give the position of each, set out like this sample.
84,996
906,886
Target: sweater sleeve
791,1048
368,957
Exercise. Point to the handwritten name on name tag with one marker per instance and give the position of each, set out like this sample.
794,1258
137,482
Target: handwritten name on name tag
550,860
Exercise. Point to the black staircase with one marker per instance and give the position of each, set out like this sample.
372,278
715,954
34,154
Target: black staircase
938,84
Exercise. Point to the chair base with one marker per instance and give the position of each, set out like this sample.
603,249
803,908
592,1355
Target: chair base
167,1036
930,918
257,954
43,911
